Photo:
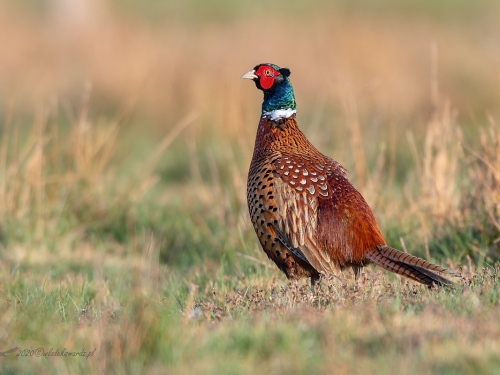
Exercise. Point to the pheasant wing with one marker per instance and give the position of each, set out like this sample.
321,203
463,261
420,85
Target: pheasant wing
301,182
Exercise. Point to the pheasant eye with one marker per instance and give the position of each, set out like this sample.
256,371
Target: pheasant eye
267,72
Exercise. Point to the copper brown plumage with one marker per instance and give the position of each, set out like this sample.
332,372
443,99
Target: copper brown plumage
309,218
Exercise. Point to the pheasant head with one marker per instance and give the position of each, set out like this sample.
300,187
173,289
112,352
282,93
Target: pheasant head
279,100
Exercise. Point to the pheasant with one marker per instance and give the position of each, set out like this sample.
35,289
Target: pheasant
310,220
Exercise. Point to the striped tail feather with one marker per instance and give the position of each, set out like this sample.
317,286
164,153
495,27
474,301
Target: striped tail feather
408,265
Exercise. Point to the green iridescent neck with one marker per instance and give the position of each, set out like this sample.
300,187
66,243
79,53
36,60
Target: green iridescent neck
279,97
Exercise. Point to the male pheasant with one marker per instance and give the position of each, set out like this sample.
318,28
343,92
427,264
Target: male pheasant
308,217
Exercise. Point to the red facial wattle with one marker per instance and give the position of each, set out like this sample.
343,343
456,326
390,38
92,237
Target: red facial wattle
266,76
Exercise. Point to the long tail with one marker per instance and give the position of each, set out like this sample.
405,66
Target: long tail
408,265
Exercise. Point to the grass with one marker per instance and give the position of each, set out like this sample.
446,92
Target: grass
123,219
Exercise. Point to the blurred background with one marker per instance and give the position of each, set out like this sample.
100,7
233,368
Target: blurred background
122,118
163,58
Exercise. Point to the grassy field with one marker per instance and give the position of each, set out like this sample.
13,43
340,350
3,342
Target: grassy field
125,139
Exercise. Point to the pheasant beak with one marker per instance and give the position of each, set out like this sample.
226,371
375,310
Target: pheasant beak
249,75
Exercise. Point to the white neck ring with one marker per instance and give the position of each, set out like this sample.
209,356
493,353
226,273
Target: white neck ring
279,114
